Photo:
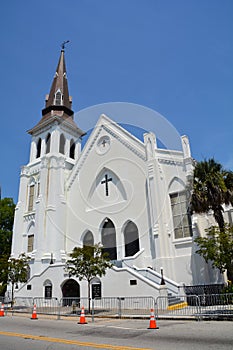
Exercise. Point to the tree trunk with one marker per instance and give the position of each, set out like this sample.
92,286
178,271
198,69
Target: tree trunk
230,274
89,296
12,295
218,215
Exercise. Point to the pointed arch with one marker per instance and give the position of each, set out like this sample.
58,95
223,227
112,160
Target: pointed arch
72,149
62,144
47,143
116,190
131,239
58,98
108,235
176,184
38,148
88,239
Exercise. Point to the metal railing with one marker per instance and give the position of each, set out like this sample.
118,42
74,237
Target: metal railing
210,306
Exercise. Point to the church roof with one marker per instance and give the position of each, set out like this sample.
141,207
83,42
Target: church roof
58,102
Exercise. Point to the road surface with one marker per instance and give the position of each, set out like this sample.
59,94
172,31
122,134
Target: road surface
17,333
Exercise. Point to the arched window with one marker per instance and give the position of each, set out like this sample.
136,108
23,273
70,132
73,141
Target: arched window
62,144
109,239
181,215
47,143
58,98
38,148
48,289
31,196
72,149
30,243
30,234
88,239
131,239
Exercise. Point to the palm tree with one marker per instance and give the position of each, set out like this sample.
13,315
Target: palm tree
212,187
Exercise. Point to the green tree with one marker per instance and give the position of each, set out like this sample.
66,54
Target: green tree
217,247
212,187
88,262
17,272
7,209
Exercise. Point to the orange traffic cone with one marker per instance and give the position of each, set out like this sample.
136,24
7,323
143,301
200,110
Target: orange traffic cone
2,313
34,314
82,317
152,320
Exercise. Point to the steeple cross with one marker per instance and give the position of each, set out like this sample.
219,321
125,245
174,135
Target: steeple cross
106,181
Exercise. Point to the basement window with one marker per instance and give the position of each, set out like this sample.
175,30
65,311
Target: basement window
133,282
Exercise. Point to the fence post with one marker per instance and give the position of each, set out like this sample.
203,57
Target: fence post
59,309
198,302
92,310
119,307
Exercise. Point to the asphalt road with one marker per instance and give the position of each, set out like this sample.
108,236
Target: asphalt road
22,333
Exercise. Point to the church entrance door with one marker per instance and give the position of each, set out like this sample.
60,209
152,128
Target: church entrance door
70,292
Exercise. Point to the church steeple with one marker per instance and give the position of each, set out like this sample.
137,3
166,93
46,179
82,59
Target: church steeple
58,98
58,103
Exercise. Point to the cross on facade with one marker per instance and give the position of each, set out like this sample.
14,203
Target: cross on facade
106,181
104,142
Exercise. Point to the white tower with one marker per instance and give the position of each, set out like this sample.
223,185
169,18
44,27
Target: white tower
40,224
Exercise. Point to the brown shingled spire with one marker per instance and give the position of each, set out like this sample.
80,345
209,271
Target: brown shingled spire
58,98
58,102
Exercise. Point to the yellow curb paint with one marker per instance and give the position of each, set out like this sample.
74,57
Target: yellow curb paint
73,342
177,306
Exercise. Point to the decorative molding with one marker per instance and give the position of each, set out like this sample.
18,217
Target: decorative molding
86,151
150,170
50,207
29,217
171,162
125,143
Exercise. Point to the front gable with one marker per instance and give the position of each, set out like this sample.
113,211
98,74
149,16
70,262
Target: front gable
110,172
99,141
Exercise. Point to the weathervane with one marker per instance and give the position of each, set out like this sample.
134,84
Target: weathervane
64,43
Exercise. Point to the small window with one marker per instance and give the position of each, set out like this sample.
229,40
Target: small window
133,282
38,189
47,143
48,289
58,98
72,149
31,198
29,287
62,144
30,243
38,148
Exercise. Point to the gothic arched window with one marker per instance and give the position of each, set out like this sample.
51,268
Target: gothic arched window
131,239
62,144
58,98
38,148
109,239
88,239
47,143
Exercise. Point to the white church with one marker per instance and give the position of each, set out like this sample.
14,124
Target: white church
128,194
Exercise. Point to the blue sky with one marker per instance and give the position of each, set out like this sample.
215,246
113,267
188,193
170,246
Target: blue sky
175,57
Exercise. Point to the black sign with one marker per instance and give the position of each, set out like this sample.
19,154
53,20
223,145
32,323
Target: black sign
96,290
